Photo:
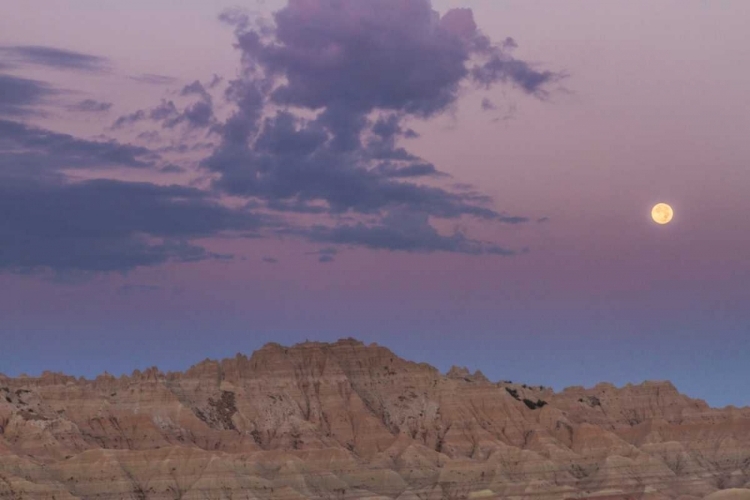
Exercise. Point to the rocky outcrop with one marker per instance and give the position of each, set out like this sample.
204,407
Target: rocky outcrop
346,420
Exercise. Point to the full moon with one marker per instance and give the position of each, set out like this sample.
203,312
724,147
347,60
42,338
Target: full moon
662,213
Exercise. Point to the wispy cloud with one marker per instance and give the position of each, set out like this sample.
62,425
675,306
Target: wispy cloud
90,106
153,79
54,58
405,231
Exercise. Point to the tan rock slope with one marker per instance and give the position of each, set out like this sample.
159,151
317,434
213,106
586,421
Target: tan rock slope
346,420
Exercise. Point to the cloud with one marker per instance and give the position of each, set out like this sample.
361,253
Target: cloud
413,170
28,151
102,225
153,79
270,260
54,58
325,255
215,81
163,112
129,119
197,115
172,169
295,161
196,88
107,225
488,105
320,125
360,56
149,136
90,106
19,95
404,231
501,68
362,69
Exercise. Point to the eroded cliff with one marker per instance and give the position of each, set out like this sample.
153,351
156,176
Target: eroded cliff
346,420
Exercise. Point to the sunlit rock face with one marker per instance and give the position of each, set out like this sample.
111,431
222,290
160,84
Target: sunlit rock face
346,420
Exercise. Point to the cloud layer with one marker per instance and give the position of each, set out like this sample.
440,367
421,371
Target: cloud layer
104,225
321,107
18,96
30,151
315,142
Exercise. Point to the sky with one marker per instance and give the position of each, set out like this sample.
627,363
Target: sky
464,182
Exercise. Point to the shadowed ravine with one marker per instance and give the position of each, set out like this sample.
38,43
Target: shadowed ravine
345,420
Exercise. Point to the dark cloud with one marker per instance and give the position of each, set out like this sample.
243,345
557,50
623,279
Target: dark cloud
404,231
501,68
184,148
54,58
363,68
50,223
195,88
90,106
130,118
509,44
197,115
413,170
98,225
215,81
18,95
154,79
166,111
488,105
270,260
149,136
29,151
107,225
172,169
386,54
295,161
321,108
386,130
325,255
295,206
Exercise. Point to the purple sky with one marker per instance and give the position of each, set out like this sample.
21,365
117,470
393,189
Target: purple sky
463,186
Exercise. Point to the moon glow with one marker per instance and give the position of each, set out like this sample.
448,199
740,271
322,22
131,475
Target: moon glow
662,213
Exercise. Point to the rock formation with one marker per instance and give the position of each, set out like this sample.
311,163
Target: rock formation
346,420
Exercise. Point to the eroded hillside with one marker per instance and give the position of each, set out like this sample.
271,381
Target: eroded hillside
346,420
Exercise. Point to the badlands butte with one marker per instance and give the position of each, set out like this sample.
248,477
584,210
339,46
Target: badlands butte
349,420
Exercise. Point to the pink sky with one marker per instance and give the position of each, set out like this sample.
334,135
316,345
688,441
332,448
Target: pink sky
653,108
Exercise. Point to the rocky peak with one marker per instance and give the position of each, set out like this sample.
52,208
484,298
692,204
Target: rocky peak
463,373
344,420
